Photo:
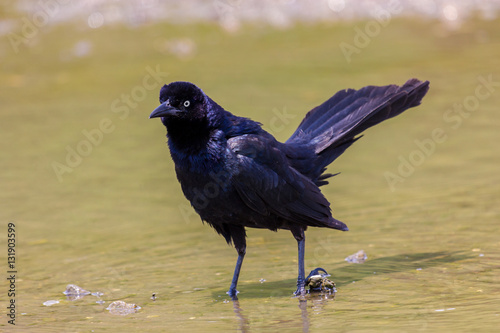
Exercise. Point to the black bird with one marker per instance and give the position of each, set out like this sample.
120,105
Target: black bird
237,175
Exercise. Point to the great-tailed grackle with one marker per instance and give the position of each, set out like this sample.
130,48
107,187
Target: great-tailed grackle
237,175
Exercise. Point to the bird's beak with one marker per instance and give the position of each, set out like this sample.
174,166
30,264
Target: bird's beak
164,110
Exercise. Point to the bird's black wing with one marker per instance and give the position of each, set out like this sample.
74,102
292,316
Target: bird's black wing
330,128
267,184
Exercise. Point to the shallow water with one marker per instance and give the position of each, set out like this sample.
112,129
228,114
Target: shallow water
409,291
117,224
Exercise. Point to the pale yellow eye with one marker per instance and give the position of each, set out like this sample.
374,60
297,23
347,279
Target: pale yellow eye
187,104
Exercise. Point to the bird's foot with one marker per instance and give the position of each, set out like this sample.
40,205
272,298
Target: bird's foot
301,291
233,294
301,287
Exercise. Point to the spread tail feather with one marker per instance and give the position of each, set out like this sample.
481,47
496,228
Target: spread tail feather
331,127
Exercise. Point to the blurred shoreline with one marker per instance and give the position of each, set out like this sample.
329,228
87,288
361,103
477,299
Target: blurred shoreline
231,14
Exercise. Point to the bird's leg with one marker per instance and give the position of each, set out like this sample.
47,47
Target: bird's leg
232,289
301,280
299,235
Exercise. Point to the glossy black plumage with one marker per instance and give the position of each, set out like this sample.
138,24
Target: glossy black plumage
237,175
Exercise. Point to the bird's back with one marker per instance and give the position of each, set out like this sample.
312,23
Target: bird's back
252,182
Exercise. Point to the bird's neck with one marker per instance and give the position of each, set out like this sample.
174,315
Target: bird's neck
195,146
187,136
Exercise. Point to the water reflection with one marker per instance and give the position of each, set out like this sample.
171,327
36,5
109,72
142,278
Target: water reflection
313,303
275,308
243,323
317,302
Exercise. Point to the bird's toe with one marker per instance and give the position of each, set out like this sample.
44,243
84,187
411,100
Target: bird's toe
301,291
233,294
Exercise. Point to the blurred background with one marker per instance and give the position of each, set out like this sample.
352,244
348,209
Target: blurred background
87,180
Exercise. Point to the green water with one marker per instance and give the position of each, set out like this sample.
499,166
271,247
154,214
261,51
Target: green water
115,222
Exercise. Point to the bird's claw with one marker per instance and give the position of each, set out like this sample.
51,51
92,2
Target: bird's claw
233,294
301,291
301,288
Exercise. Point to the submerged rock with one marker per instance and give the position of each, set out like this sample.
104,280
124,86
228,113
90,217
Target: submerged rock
74,292
357,258
122,308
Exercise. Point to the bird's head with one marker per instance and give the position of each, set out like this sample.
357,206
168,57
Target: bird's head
181,100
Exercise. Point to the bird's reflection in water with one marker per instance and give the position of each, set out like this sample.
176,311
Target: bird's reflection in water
243,324
314,303
309,303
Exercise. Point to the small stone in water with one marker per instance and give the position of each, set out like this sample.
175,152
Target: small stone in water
121,308
50,303
74,290
357,258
